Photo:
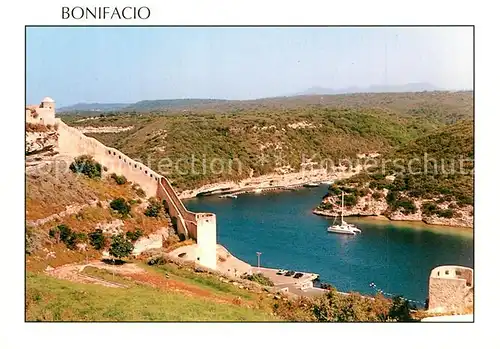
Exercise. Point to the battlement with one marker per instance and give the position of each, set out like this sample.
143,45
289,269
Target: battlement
71,142
451,289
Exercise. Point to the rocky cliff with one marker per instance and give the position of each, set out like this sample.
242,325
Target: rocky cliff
374,203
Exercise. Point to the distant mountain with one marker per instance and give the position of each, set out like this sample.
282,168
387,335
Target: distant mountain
413,87
93,107
159,104
207,103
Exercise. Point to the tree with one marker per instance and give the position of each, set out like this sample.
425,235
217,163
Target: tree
97,239
121,206
120,247
400,310
120,180
62,233
154,208
134,235
86,165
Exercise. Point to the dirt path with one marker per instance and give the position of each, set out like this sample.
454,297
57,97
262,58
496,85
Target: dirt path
74,272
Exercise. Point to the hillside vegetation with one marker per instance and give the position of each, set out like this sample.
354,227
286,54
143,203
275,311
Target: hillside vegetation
258,137
430,176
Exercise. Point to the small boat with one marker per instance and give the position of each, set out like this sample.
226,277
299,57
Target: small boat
232,196
343,227
327,182
311,185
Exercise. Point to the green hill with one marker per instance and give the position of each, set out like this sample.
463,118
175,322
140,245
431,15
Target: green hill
432,176
266,134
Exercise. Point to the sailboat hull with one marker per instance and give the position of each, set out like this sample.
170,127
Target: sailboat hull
341,230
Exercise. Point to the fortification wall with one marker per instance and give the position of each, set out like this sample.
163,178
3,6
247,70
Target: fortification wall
74,143
451,289
198,226
206,241
38,115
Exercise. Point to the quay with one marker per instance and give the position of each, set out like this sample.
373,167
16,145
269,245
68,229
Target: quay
302,286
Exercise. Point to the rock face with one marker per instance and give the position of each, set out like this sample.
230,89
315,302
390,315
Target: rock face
40,141
152,241
369,206
40,145
112,228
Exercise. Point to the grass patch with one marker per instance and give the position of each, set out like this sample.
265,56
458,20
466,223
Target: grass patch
49,299
201,280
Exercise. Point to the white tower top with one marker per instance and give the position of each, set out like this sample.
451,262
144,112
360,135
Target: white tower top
48,100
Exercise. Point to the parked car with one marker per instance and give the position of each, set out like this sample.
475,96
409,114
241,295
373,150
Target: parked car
281,272
289,273
298,275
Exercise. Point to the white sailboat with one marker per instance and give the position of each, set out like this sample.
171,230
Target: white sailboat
343,227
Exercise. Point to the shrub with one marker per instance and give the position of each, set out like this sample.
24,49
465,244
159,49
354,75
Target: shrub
62,233
154,208
97,239
134,235
171,240
81,237
157,260
429,208
466,200
140,192
120,180
376,195
325,206
377,176
336,307
400,310
86,165
391,197
335,189
363,192
350,200
259,278
120,247
407,205
121,206
448,213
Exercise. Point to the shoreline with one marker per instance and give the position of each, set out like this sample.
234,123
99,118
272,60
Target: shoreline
406,222
295,181
268,182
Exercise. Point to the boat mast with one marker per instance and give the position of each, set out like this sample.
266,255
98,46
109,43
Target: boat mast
342,211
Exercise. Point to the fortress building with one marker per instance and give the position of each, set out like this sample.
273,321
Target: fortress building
44,114
451,289
72,143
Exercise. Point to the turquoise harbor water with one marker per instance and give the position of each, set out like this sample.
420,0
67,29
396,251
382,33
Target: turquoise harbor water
397,257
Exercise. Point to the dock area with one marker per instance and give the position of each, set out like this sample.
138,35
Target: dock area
234,267
302,286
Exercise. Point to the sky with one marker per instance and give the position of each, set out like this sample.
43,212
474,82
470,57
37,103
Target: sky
128,64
